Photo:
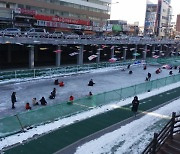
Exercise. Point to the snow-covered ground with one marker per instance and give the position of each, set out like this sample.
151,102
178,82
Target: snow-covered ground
106,79
131,138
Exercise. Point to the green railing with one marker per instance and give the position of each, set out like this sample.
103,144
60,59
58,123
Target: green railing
35,73
14,124
168,60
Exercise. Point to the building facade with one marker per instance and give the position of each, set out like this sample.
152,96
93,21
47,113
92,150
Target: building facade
150,19
71,14
158,18
178,23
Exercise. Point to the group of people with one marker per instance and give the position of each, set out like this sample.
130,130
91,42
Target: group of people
52,96
27,106
61,84
35,102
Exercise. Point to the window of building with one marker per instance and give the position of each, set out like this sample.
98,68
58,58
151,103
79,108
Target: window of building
20,6
7,5
28,7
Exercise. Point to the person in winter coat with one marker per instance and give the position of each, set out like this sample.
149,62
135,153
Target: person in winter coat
128,67
56,82
170,73
61,84
43,101
53,94
149,76
71,99
145,67
91,83
135,105
27,106
34,102
130,72
13,99
90,95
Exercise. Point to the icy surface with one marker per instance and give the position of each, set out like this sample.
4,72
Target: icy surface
106,79
123,140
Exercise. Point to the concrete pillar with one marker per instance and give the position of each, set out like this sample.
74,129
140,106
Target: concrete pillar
112,52
160,50
153,49
135,51
167,50
177,50
98,55
124,53
80,55
145,52
58,56
31,57
9,54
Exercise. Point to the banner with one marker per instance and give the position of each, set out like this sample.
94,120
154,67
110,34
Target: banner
92,57
73,53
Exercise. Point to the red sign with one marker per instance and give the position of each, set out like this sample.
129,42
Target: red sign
61,19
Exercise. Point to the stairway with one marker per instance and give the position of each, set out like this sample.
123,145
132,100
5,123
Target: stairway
171,146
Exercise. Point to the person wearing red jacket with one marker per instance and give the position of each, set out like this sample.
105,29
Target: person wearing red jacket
61,84
28,106
71,99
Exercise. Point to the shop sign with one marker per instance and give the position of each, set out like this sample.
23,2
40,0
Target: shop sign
98,29
87,27
25,11
61,19
71,26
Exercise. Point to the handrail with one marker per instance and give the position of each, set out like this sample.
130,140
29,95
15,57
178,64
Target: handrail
161,137
45,72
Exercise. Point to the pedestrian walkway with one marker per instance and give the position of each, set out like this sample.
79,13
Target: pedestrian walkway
59,139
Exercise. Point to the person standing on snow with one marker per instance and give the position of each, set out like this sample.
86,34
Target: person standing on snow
135,105
149,76
13,99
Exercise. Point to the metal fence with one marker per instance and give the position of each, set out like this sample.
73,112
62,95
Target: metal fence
13,124
57,71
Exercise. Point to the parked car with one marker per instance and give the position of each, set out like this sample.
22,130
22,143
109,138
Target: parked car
69,35
56,35
11,32
36,32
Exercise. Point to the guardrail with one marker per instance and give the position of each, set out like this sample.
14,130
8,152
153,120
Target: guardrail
13,124
35,73
172,127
